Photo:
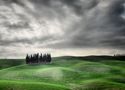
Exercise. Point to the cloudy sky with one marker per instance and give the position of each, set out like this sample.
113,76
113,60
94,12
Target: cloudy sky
62,27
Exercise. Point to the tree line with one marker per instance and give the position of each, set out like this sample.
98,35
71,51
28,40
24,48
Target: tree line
38,58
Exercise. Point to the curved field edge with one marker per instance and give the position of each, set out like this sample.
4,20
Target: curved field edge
17,85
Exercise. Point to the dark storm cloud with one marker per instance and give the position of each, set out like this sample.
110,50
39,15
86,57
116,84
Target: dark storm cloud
105,27
76,5
17,25
117,37
79,6
64,23
14,1
115,11
44,2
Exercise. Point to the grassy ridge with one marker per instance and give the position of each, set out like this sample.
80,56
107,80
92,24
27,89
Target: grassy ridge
62,73
6,63
17,85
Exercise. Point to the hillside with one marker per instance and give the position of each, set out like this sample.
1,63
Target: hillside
65,73
93,58
6,63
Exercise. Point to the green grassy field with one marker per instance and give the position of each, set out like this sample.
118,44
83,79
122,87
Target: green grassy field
63,74
5,63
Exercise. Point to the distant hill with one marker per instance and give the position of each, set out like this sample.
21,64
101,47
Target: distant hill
5,63
93,58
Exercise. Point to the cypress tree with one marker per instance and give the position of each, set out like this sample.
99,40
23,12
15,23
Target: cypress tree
27,59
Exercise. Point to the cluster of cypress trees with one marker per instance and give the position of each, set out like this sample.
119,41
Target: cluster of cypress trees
38,58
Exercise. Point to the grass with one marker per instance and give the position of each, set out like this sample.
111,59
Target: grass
17,85
6,63
64,74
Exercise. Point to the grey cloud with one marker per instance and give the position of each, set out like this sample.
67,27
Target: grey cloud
78,6
115,11
19,25
97,23
15,41
19,2
105,28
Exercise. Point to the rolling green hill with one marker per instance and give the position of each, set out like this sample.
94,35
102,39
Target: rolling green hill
5,63
65,73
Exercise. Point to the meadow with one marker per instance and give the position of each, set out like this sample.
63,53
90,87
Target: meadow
63,73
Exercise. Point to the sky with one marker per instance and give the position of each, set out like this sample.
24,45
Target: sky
62,27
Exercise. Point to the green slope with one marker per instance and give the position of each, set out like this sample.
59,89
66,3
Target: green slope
62,73
18,85
6,63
